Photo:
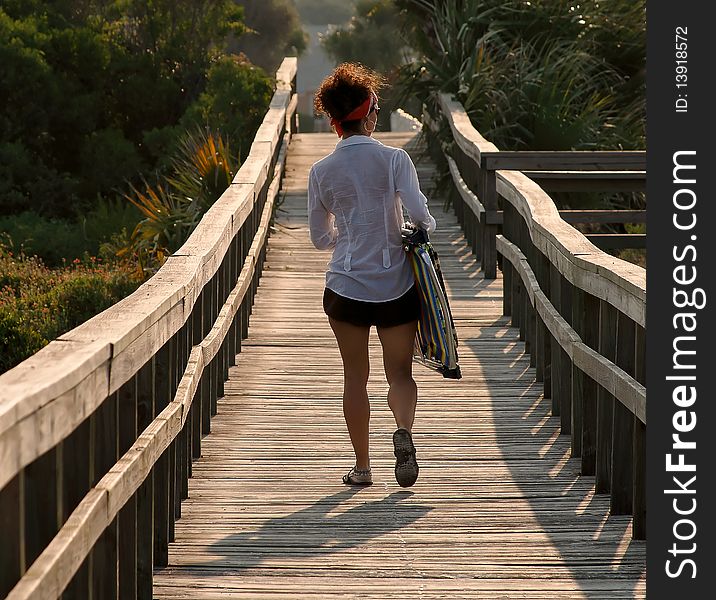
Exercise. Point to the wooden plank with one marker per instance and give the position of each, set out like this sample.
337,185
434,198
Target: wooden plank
42,503
146,408
583,160
609,241
605,401
622,492
603,216
104,553
12,532
127,519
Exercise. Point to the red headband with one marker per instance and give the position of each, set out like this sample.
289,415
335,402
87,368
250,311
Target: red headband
357,113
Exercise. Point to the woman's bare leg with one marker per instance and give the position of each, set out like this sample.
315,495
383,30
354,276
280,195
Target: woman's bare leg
353,344
398,345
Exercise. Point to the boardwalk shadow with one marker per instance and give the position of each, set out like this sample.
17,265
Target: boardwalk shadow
590,543
319,529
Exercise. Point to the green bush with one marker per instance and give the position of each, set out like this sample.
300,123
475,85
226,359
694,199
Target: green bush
83,82
38,304
56,241
235,102
52,240
274,31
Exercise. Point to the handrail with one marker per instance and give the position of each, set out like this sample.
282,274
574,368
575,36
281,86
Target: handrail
183,326
79,361
535,205
580,261
580,311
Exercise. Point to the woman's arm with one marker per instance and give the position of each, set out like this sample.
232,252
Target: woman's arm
407,186
321,223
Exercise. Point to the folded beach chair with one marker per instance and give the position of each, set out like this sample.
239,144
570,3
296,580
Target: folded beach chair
436,340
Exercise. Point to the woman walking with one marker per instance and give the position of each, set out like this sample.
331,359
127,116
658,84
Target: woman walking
355,199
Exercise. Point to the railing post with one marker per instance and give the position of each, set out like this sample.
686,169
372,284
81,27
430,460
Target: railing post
145,493
524,305
578,324
128,539
565,380
233,277
605,401
487,191
507,271
589,387
639,448
104,554
183,439
172,449
214,364
161,467
205,385
543,277
516,301
12,532
41,481
557,373
196,412
77,465
623,425
244,311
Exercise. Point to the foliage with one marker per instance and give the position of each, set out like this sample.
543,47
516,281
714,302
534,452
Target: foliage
235,102
535,75
38,304
274,31
370,38
85,82
538,75
203,167
323,12
55,240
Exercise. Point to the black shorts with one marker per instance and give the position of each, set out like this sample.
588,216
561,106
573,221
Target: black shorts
382,314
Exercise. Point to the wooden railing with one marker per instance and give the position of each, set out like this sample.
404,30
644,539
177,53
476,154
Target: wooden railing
98,430
474,162
580,312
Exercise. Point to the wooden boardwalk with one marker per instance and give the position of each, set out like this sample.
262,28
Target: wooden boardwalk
499,510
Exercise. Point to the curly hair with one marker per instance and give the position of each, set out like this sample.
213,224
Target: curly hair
347,87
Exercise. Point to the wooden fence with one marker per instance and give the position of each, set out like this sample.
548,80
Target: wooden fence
581,312
474,163
98,430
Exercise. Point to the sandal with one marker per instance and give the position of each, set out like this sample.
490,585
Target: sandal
358,477
406,466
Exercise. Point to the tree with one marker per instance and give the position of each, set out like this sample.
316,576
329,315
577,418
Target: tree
274,31
234,102
372,37
85,83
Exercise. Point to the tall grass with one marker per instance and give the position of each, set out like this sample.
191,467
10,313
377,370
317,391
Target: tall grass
534,75
546,74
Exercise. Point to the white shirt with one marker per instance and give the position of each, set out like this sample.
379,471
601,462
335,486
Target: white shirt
356,196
